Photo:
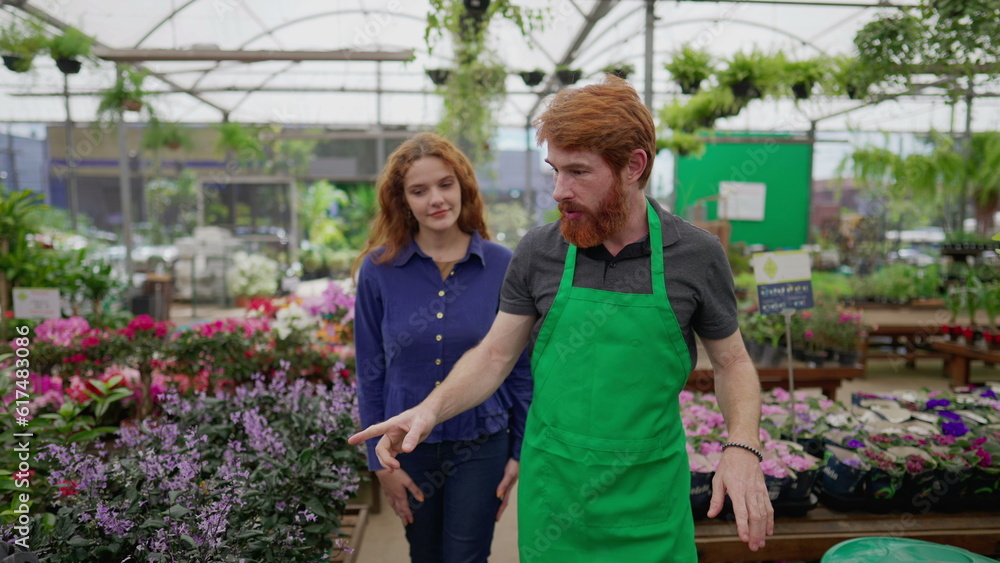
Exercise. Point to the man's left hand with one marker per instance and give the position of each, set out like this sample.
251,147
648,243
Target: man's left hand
739,475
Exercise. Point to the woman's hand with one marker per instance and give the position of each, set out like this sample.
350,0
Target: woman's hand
510,473
396,484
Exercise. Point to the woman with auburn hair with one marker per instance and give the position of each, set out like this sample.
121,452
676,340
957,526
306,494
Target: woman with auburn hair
428,290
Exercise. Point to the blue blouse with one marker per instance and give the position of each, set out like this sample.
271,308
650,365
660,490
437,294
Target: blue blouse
410,329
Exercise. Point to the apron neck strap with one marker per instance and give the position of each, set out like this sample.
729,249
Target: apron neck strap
656,256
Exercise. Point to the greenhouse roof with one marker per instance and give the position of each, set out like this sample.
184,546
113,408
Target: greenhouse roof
348,91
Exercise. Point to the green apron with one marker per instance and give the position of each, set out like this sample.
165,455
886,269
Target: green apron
604,470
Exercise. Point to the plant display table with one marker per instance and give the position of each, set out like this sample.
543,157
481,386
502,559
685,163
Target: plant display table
353,524
827,379
912,337
959,356
811,535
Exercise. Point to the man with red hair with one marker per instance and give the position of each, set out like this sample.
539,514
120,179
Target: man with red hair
610,297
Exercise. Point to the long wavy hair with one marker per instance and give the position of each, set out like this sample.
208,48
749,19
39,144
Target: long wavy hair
607,118
394,225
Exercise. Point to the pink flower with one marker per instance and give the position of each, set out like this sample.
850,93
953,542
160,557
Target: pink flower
685,397
773,468
711,448
809,334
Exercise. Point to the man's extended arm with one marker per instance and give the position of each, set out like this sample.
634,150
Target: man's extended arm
475,377
737,389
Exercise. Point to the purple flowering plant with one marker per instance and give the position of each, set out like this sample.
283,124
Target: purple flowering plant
262,474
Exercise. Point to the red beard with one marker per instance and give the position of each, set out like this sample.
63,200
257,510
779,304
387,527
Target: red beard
593,227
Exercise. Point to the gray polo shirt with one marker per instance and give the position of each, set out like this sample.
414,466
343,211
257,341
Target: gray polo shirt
698,277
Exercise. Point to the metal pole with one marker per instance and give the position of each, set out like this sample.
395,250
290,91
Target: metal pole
74,200
791,371
647,97
125,187
293,235
10,159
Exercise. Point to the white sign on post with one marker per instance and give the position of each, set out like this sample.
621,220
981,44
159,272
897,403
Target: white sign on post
784,281
742,201
36,303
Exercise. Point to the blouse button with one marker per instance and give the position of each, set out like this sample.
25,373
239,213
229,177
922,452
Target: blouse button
452,273
437,362
439,337
441,293
440,315
436,383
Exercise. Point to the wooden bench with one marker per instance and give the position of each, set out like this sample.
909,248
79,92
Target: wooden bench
827,379
811,535
959,356
912,338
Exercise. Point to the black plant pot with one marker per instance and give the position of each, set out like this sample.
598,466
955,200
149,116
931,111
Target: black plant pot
69,66
17,63
438,75
801,90
745,89
532,77
568,77
689,88
854,92
619,72
476,9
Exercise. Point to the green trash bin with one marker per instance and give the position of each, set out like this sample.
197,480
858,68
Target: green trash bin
898,550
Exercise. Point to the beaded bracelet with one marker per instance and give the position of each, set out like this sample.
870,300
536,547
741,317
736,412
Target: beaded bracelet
750,449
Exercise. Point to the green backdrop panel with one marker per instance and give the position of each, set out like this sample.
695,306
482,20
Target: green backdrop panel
783,165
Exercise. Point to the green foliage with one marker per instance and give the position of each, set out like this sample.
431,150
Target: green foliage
260,475
241,140
806,73
760,70
127,94
888,44
682,144
71,44
24,39
620,69
71,422
690,67
476,88
848,78
164,134
18,220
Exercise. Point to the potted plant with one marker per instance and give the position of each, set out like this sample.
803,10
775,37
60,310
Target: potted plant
532,77
20,41
241,140
752,75
127,93
68,48
620,69
438,75
160,134
803,75
252,275
690,67
682,144
567,75
848,78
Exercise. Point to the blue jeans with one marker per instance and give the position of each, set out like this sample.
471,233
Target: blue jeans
459,482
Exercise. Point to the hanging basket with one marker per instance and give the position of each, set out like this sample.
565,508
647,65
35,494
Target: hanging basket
745,89
801,90
568,76
131,104
532,77
69,66
689,88
438,75
17,63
